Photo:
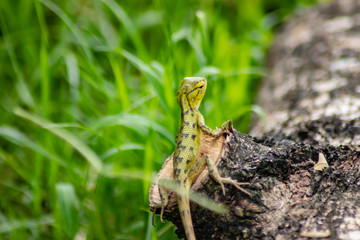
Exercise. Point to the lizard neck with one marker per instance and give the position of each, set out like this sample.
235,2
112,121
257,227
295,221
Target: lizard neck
184,104
188,113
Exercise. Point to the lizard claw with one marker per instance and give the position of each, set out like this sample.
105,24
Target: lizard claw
153,218
231,127
161,215
228,130
237,184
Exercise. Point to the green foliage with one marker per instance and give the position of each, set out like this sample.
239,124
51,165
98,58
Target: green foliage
88,103
68,208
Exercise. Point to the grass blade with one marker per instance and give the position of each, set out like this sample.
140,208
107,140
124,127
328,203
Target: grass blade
79,145
22,88
69,208
128,24
15,136
202,200
73,28
138,123
152,74
120,83
31,224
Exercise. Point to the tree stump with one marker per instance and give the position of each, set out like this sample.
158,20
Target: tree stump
303,166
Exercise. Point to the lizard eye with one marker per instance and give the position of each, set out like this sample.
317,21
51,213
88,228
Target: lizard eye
201,86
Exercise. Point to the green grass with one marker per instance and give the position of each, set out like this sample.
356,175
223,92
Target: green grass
88,103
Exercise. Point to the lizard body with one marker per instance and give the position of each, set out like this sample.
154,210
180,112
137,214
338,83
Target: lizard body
187,165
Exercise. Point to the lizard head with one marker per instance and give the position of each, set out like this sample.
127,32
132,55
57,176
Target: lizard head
194,89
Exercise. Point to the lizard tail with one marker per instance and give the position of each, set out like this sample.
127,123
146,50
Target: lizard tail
184,208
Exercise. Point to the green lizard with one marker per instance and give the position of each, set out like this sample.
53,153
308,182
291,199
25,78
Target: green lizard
187,166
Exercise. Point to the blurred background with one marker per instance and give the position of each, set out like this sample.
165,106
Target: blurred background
88,103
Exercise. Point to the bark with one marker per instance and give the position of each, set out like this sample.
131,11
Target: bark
311,100
312,93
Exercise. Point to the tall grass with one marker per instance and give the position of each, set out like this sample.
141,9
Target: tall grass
88,103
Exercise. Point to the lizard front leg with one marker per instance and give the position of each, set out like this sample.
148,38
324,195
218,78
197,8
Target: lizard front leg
214,173
218,131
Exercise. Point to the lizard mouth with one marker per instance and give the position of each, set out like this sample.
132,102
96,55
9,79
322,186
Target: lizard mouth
200,87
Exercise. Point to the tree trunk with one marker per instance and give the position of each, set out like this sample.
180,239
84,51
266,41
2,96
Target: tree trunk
304,169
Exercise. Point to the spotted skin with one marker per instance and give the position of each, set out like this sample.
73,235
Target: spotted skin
187,165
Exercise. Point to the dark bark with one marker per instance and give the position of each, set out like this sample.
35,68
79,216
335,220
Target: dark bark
311,100
290,197
312,93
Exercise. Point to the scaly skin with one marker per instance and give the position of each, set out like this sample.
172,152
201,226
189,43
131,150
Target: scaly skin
187,166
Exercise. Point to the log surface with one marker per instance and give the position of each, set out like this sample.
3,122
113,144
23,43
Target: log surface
312,92
291,199
311,99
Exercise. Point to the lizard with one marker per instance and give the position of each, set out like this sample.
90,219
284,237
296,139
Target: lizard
186,164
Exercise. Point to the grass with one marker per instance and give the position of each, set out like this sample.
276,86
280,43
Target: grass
88,103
